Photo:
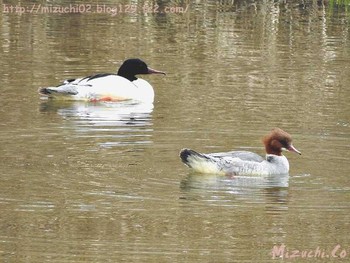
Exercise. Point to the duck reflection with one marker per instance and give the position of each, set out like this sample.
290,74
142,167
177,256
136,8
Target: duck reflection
268,189
125,122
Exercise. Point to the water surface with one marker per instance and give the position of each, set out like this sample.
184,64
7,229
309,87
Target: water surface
83,182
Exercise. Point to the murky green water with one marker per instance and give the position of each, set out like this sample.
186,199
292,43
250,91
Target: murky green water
103,182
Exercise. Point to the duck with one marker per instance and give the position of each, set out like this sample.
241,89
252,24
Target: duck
108,86
245,163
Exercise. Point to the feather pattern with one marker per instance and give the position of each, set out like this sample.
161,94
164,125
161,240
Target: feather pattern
106,86
244,162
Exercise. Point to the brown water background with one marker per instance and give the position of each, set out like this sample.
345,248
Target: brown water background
103,183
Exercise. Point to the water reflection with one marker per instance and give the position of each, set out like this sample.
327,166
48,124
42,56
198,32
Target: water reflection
242,188
236,69
124,122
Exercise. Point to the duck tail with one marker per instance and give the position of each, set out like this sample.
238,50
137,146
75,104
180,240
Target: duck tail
64,89
45,91
198,161
189,157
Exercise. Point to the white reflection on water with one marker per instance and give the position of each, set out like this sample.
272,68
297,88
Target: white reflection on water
123,123
102,114
220,189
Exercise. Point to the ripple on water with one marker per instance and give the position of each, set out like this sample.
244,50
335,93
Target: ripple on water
121,124
237,191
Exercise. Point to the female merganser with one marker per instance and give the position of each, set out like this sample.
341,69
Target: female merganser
242,162
108,87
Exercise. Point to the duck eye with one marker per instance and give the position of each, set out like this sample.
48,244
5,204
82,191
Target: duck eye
285,143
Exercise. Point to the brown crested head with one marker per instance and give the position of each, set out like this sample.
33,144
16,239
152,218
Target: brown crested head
277,141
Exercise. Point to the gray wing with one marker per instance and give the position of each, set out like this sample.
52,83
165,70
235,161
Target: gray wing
243,155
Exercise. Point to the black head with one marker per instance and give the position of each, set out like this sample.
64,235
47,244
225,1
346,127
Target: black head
135,66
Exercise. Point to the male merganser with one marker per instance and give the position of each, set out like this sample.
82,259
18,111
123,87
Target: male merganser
108,87
243,162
